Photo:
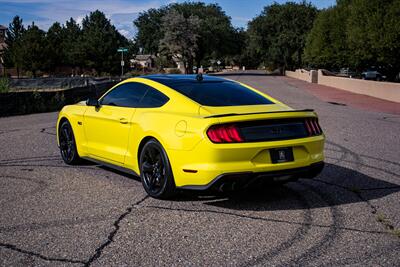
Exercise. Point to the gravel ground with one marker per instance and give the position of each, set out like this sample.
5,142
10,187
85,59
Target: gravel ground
56,215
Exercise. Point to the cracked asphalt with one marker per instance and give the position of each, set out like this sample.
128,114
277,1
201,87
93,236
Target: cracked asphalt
57,215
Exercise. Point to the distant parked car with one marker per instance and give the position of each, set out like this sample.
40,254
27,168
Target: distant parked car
373,74
347,72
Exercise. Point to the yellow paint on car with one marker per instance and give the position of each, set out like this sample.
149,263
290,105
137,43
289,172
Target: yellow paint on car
114,135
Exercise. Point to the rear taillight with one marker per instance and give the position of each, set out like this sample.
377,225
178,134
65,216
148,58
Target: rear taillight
313,127
225,133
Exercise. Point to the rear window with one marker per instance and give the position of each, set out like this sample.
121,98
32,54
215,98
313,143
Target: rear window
221,93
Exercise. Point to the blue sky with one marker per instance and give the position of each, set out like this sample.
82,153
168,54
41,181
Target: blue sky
121,12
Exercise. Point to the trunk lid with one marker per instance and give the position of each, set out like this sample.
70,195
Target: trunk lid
207,111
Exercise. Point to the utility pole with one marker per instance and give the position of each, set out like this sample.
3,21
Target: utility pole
122,50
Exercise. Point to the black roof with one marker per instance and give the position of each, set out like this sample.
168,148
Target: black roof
171,79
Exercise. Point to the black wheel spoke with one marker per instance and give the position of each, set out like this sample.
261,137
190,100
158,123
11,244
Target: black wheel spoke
147,167
149,157
67,143
155,171
66,135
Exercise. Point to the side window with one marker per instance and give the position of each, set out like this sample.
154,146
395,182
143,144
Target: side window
153,99
125,95
135,95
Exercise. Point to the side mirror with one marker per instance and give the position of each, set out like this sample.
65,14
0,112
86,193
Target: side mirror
94,102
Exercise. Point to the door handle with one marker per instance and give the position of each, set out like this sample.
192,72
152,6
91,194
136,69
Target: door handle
123,121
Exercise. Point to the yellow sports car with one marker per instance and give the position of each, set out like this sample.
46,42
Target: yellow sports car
192,132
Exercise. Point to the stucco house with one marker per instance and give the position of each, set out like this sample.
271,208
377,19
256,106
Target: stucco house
3,46
144,61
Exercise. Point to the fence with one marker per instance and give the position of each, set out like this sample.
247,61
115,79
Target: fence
18,103
383,90
308,76
54,82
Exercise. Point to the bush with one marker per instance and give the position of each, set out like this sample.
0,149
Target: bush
133,73
136,72
4,85
173,71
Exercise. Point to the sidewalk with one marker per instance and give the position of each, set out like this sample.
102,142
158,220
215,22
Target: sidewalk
331,94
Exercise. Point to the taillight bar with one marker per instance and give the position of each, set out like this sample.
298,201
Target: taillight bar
313,127
224,133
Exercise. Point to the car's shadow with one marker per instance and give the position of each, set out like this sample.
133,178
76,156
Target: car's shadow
336,185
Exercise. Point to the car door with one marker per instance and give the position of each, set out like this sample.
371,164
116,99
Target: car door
107,127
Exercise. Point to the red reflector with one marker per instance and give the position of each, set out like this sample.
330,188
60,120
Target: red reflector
224,134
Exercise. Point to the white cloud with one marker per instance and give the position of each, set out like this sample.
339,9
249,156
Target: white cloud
79,19
120,12
124,32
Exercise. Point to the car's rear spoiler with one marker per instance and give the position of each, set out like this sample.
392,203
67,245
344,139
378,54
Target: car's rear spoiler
238,114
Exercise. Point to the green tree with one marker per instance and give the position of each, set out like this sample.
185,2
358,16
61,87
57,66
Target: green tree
33,49
72,35
374,34
99,43
241,55
180,37
12,55
55,52
149,29
278,35
216,35
327,45
357,34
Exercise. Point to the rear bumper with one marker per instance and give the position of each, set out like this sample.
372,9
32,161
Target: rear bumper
200,167
244,179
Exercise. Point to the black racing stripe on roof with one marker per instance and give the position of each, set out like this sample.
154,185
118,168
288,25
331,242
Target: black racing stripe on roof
171,79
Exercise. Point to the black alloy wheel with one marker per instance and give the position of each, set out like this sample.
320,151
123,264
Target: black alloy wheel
67,143
155,171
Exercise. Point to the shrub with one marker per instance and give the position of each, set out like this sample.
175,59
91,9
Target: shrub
4,85
173,71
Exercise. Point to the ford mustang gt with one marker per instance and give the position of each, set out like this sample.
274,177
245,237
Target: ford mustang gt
192,132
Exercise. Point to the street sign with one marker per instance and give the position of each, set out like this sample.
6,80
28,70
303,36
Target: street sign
122,50
218,62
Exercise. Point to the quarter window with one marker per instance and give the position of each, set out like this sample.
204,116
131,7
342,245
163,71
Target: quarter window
152,99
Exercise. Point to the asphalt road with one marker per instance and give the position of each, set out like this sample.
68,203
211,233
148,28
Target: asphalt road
56,215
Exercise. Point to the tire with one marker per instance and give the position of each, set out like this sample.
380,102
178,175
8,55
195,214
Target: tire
66,139
155,171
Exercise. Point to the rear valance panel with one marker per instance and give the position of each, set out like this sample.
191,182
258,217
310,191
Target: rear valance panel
273,130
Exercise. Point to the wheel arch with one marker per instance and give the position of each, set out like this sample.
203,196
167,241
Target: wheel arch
141,145
60,122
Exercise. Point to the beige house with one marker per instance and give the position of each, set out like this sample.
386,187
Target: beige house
144,61
3,46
